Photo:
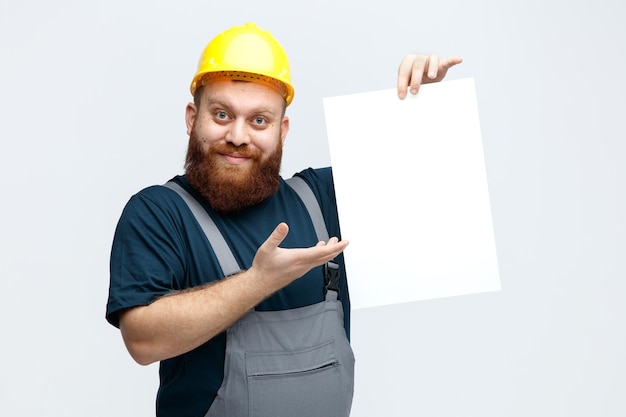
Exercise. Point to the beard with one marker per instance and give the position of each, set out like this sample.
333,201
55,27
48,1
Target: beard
231,188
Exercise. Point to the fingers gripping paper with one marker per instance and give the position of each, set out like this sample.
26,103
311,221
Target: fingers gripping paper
412,194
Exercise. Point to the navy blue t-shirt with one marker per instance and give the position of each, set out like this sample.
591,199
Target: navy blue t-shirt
159,247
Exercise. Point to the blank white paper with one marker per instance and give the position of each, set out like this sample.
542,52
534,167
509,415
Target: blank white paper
412,194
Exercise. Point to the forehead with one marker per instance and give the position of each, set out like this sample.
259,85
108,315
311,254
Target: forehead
242,95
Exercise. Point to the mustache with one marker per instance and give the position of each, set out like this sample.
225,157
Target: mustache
228,148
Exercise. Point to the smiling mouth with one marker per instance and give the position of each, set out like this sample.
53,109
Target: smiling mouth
235,159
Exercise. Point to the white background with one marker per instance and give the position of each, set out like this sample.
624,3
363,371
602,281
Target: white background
92,98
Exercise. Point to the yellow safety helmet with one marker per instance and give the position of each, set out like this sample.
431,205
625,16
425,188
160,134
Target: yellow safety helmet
246,53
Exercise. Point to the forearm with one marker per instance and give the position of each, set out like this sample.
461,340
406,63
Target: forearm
181,321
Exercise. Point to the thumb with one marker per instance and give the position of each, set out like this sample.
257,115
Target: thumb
278,235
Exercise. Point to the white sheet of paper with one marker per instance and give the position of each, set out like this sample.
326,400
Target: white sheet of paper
412,194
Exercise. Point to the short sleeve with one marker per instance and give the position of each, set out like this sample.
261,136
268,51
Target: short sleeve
147,255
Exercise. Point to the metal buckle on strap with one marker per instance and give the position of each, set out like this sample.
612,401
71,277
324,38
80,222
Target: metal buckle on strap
331,277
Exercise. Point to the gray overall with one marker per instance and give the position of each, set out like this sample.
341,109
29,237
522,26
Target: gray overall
288,363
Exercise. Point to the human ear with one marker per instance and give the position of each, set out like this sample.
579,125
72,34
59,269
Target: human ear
191,112
284,128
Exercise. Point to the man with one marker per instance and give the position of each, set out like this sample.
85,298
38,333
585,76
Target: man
269,336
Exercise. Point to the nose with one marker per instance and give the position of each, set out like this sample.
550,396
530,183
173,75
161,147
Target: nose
238,134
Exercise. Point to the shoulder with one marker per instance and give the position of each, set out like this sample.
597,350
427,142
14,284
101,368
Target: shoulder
322,176
154,215
321,182
154,202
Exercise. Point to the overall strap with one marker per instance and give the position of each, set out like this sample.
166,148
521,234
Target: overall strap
224,255
331,268
308,198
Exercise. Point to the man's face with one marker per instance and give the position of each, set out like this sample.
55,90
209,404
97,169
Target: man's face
235,143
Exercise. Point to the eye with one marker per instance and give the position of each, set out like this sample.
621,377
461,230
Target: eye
259,120
221,115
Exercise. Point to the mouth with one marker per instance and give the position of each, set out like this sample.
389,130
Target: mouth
234,158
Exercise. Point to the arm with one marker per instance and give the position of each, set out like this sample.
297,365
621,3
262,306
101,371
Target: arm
179,322
415,70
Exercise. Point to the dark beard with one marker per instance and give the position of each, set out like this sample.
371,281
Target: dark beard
230,189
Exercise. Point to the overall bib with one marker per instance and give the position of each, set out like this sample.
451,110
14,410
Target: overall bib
288,363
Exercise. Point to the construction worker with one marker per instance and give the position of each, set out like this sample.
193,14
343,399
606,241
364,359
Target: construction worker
230,276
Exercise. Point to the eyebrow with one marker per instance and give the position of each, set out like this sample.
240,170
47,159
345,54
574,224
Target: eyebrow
221,103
